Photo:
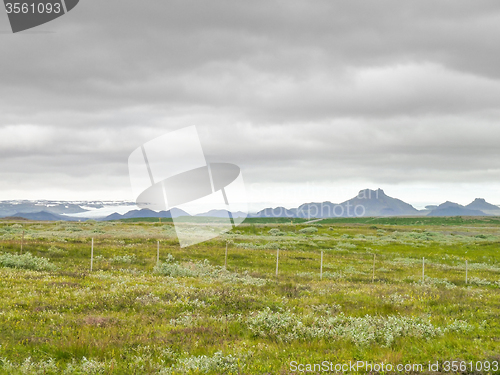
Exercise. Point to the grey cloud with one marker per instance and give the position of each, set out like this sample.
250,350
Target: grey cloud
290,90
164,52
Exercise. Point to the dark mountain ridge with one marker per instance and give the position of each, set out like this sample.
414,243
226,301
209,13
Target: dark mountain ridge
375,203
146,213
372,203
366,203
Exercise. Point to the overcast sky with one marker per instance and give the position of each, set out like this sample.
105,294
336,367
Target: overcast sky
315,100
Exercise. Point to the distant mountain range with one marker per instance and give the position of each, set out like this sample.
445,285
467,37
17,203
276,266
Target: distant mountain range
370,203
454,209
479,207
366,203
482,205
376,203
10,208
134,214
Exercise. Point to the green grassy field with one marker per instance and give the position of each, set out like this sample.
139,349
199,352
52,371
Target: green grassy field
188,314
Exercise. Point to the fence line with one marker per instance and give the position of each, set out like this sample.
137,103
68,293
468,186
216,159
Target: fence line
277,260
423,274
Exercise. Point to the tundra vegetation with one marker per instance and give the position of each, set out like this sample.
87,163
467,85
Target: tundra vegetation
189,314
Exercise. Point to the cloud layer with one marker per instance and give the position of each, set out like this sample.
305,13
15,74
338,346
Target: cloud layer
345,93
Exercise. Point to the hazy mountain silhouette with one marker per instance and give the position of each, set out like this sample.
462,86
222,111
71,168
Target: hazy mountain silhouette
454,209
11,208
377,203
482,205
145,213
366,203
448,204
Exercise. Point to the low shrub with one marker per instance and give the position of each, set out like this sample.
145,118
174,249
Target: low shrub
308,230
26,261
57,251
286,326
218,363
478,281
276,232
204,270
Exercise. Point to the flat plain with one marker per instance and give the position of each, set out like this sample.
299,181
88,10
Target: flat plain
391,290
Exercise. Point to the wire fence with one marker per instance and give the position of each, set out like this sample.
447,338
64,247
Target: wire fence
328,265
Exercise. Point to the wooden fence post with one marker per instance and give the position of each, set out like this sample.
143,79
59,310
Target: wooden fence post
321,268
277,260
92,256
